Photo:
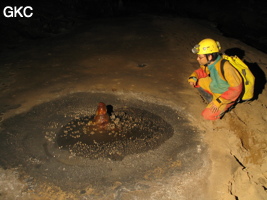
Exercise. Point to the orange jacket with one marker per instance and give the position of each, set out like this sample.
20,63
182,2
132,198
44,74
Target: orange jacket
229,87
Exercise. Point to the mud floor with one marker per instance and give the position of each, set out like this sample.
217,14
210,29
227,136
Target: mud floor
30,142
139,66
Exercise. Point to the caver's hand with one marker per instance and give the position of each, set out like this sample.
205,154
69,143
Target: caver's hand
192,81
193,84
213,107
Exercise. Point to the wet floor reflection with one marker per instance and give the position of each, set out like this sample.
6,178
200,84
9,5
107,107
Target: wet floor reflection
126,131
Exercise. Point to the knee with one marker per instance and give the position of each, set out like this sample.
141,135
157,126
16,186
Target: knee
208,115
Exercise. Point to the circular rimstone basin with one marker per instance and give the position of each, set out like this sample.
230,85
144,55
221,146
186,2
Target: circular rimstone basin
129,131
55,142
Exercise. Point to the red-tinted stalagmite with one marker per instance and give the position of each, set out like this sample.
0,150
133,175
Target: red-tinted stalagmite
101,118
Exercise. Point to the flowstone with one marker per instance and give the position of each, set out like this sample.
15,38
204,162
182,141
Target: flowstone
127,131
51,143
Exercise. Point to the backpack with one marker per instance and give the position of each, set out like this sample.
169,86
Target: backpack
246,74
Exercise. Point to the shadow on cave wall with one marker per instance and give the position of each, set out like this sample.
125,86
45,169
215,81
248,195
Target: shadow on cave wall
53,17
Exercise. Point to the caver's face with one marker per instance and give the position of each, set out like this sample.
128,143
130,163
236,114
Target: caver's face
202,59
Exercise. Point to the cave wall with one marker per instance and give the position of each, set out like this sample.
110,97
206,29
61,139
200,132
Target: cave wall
51,17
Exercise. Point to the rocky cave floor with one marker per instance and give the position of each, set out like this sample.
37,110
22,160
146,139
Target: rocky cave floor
142,62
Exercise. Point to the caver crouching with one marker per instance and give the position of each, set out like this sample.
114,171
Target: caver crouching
220,90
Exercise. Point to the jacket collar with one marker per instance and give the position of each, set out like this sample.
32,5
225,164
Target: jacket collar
210,66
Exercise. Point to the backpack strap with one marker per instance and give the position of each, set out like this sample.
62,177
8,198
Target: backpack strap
239,99
221,66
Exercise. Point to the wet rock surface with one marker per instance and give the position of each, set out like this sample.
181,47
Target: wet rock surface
130,130
29,142
149,56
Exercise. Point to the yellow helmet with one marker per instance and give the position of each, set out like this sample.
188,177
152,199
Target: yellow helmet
207,46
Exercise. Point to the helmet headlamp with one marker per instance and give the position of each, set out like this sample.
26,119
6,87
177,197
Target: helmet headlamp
195,50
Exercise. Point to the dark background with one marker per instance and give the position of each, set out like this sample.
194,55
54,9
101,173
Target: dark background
245,20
